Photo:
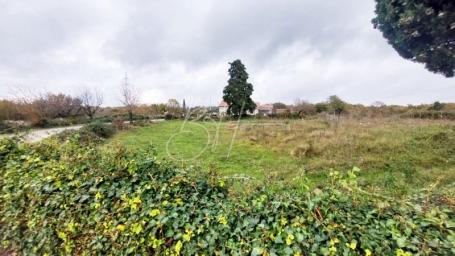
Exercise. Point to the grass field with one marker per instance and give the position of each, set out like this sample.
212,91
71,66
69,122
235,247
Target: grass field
396,156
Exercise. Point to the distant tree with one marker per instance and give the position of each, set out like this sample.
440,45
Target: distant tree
91,101
336,104
279,105
237,94
9,110
304,108
378,104
173,107
420,30
129,98
30,105
184,106
60,105
158,109
321,107
437,106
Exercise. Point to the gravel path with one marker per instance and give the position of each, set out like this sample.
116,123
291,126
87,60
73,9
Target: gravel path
37,135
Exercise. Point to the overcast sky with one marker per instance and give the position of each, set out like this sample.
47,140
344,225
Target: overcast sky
292,49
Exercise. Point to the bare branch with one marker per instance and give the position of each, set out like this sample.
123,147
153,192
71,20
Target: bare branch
129,97
91,101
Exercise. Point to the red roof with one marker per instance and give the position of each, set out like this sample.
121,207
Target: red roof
223,104
265,107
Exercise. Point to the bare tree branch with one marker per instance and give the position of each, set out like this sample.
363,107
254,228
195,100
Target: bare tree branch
129,97
91,101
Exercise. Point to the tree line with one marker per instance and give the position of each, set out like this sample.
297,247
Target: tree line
37,108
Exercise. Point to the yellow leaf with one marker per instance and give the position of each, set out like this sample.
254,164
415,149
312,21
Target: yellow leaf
62,236
137,200
289,239
187,235
98,195
154,212
178,247
352,245
222,220
179,201
121,227
137,228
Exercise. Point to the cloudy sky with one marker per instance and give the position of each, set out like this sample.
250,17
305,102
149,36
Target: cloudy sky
180,49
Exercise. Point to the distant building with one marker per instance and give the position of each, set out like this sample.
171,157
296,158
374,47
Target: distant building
281,111
223,108
264,109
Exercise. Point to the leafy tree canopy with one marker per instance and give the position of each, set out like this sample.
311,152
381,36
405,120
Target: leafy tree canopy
336,104
420,30
438,106
237,94
279,105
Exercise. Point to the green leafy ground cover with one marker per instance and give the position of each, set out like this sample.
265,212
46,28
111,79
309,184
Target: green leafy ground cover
66,197
398,157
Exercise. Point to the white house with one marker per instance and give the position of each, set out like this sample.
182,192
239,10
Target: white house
222,108
264,109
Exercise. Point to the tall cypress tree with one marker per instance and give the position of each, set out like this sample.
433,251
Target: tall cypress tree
237,94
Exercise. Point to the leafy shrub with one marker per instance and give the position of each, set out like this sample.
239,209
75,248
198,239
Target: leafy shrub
62,198
82,137
449,115
5,127
119,124
304,150
141,123
112,118
41,123
169,116
100,129
59,122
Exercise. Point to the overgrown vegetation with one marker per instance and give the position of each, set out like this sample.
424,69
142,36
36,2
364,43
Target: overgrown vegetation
64,198
100,129
397,156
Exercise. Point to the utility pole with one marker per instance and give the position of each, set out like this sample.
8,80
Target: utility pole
126,80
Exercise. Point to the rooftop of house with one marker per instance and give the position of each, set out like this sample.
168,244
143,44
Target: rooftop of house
267,107
259,106
223,104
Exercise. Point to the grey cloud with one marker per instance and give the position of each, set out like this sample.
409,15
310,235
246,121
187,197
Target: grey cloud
181,49
199,32
31,30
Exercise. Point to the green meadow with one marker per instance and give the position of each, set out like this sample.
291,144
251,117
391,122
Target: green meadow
396,156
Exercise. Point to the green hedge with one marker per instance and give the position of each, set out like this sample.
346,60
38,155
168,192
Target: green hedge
102,130
428,114
63,198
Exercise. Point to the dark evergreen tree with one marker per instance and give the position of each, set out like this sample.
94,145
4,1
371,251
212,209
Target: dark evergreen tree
437,106
420,30
237,94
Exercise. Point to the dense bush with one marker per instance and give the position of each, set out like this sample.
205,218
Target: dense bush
5,127
100,129
170,116
63,198
9,127
449,115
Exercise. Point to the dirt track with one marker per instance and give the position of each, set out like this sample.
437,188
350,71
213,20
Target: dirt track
37,135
